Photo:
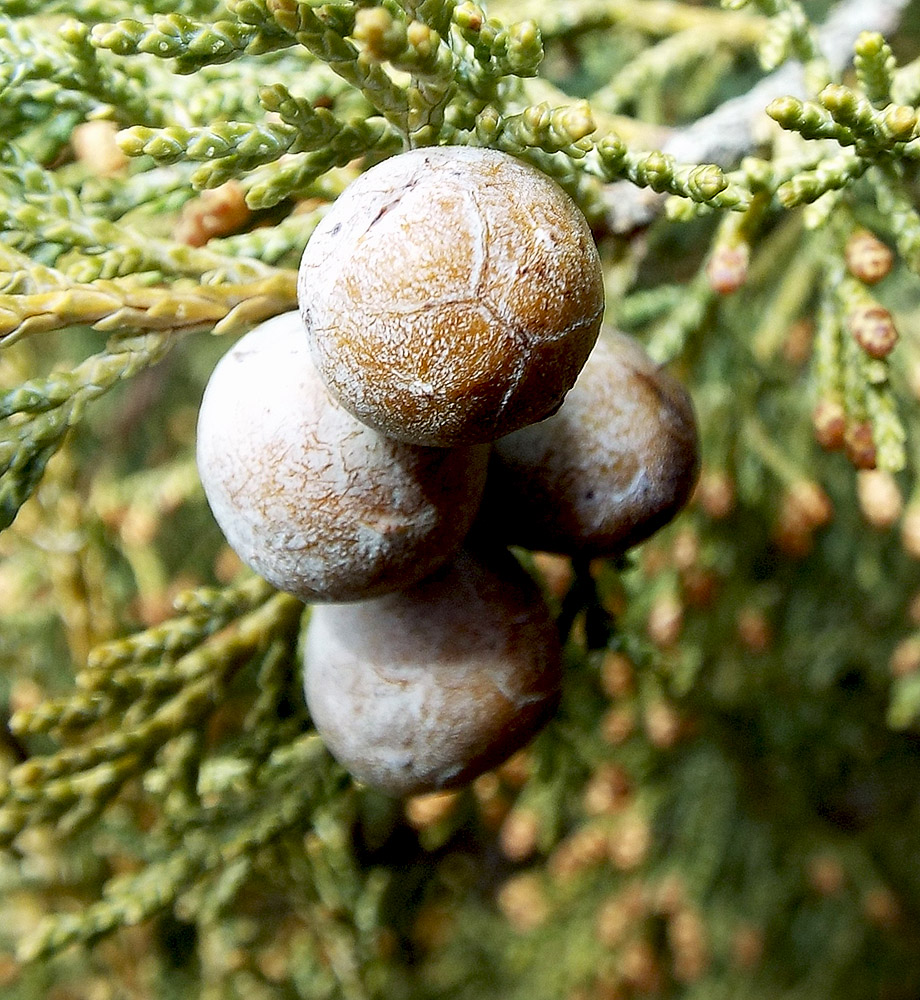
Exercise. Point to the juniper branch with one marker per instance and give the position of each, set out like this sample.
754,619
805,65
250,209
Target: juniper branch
850,119
293,176
103,10
56,783
899,209
832,174
730,132
46,215
114,307
53,406
499,50
296,780
62,59
324,37
888,431
656,18
875,67
19,274
191,43
905,84
138,196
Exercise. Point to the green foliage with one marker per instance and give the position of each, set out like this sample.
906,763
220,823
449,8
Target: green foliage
724,805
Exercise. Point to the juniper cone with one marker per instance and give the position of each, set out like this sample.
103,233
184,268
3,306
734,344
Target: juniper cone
320,505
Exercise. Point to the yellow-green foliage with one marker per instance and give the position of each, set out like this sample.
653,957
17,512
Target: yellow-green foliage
725,804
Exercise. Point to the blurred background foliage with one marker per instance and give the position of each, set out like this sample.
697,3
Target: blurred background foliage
726,804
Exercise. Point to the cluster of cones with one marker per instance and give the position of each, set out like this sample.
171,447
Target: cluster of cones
376,453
